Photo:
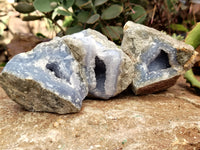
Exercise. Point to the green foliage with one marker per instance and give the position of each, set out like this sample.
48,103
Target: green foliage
67,3
190,77
2,64
24,7
193,38
172,16
99,2
63,12
178,27
83,3
105,16
45,5
140,14
109,17
178,37
171,5
83,16
94,18
31,18
74,29
111,12
67,21
113,32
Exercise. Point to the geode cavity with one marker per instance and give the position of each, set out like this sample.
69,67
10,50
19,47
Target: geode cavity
108,69
158,59
48,78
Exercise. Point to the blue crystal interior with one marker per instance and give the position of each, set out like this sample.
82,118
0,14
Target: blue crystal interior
155,62
50,66
106,72
101,64
56,69
160,62
100,73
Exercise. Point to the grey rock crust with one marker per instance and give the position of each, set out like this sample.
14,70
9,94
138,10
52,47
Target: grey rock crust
156,57
108,69
47,78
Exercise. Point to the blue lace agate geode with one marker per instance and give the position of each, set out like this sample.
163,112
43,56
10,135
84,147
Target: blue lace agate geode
158,59
47,78
108,69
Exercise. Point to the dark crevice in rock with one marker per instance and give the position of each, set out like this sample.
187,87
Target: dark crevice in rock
160,62
100,73
53,67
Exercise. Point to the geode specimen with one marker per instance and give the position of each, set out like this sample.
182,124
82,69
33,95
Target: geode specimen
108,69
48,78
158,58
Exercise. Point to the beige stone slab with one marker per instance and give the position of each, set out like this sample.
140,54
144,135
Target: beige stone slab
165,120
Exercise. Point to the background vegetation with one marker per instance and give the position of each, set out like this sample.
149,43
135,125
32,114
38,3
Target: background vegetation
109,16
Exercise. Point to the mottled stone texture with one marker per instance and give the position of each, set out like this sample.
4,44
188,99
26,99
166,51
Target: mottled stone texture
47,78
108,69
158,58
57,75
54,78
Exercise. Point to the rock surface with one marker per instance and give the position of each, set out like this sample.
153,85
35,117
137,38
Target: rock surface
47,78
158,58
168,120
108,69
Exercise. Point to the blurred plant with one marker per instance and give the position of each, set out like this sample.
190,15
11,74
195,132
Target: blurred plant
193,38
178,37
108,17
105,16
4,31
4,19
173,16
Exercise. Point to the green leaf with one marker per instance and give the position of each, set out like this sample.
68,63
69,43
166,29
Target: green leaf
74,29
32,18
83,16
24,7
83,3
193,38
45,5
178,27
178,37
40,35
113,32
190,77
94,18
171,5
2,64
67,21
99,2
112,12
67,3
140,14
64,13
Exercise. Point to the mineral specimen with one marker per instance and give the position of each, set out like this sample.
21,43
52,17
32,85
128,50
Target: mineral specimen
108,69
47,78
158,58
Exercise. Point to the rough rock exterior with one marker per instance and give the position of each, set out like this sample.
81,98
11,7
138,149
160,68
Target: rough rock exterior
158,58
47,78
108,69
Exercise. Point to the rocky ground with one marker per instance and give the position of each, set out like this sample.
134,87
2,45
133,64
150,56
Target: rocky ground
166,120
